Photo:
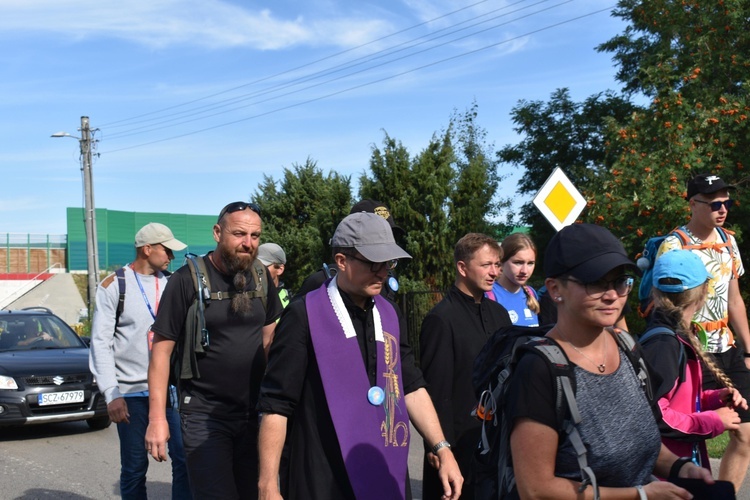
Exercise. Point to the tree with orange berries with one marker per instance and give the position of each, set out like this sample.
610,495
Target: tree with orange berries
691,59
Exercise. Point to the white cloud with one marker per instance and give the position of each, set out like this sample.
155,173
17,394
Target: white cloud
211,24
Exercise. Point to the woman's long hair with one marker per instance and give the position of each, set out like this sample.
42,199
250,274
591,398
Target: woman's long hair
511,245
672,305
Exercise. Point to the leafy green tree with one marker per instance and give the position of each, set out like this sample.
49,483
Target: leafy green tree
691,58
447,190
416,190
475,202
300,213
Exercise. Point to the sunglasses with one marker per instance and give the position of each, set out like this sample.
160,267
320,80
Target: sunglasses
238,206
716,205
376,267
622,286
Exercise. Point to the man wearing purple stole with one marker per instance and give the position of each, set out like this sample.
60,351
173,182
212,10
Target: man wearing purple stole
344,380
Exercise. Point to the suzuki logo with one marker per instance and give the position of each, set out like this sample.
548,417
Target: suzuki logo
58,380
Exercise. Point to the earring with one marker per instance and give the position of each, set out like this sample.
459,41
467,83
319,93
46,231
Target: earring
559,299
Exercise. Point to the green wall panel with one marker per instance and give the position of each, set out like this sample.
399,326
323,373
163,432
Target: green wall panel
116,235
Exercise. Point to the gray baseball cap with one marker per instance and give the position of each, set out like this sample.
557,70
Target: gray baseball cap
370,235
271,253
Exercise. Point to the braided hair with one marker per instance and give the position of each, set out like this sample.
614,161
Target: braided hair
672,305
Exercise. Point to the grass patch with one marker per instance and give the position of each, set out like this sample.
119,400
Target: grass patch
717,445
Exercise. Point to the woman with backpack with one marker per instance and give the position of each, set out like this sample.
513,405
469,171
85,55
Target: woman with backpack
588,279
511,289
672,345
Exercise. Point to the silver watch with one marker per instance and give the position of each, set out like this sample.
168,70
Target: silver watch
442,444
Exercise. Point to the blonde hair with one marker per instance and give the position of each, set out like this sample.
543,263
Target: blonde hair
672,305
511,245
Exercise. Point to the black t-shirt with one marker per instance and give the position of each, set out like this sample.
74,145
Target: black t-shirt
232,368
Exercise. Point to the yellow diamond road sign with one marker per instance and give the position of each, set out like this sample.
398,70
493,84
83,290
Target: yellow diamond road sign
559,200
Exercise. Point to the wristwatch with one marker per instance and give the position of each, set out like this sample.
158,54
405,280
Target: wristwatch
442,444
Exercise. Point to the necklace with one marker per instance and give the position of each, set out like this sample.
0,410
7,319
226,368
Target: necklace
602,366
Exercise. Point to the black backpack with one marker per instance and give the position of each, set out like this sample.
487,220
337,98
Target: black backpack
493,370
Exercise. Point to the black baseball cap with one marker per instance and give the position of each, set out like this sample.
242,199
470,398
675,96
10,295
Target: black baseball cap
379,208
706,184
586,252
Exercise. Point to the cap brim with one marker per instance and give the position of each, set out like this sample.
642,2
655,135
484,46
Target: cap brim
174,244
382,252
597,267
711,190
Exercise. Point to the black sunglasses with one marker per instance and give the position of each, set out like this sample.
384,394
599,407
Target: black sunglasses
376,267
716,205
238,206
621,285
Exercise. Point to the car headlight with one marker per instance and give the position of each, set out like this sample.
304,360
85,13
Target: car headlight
8,383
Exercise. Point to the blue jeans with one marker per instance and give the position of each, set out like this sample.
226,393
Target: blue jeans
222,456
134,458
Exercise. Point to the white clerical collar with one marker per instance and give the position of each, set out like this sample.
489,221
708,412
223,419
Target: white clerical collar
345,319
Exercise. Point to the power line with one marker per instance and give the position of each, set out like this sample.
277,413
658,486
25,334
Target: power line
380,80
202,111
301,66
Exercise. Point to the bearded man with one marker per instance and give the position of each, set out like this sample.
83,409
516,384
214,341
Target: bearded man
217,408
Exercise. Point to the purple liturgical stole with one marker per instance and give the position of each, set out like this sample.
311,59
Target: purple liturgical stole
374,439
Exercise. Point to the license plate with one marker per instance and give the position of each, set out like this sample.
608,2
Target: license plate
60,398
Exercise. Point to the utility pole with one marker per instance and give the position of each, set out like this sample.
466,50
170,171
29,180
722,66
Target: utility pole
90,215
92,251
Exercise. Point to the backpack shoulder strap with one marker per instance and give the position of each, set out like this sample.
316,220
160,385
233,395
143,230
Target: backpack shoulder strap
261,285
120,274
681,234
566,399
653,332
632,350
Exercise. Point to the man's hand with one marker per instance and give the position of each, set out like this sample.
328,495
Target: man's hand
433,460
450,474
157,435
118,411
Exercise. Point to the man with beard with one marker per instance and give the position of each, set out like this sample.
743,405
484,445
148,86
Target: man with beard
217,405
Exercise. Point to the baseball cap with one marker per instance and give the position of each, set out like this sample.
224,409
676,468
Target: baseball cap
679,265
271,253
706,184
154,233
585,251
376,207
370,235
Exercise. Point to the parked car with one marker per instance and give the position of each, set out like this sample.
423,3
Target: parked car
44,372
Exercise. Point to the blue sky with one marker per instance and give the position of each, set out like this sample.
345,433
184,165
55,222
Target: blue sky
196,100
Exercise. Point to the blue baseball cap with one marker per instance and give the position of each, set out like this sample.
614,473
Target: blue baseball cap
682,266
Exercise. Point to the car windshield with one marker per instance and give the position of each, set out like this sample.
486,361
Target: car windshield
25,332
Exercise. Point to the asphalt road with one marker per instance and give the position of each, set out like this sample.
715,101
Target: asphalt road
68,461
